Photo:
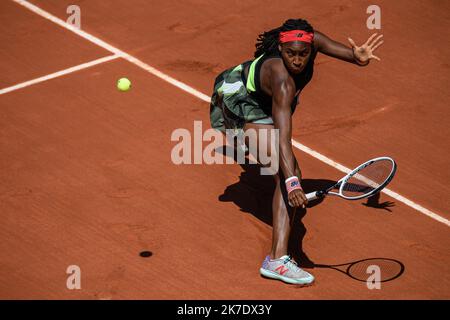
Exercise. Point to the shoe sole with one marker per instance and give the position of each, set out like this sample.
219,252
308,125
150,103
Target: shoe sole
274,275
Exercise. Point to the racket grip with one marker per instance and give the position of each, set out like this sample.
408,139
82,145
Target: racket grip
315,195
312,196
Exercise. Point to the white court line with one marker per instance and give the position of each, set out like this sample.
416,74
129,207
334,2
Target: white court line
58,74
387,191
206,98
112,49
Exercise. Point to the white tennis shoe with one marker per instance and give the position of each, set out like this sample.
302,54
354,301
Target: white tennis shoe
285,269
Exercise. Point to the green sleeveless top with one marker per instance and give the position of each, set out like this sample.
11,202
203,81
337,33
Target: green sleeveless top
238,99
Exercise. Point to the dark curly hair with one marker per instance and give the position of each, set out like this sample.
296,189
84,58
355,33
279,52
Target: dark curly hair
267,42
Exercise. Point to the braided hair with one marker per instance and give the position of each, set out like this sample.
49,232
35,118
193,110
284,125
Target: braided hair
267,42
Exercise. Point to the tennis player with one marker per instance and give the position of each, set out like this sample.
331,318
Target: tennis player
263,94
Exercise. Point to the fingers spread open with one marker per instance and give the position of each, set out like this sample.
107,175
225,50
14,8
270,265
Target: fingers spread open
370,39
352,42
377,45
374,42
375,57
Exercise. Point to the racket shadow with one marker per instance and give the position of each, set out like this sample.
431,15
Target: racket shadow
389,269
253,194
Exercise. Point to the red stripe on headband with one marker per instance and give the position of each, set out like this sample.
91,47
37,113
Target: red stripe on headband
296,35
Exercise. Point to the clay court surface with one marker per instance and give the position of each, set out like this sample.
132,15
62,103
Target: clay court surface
87,178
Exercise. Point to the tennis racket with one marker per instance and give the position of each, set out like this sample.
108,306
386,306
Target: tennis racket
362,182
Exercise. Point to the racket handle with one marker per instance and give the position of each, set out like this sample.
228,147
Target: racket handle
314,195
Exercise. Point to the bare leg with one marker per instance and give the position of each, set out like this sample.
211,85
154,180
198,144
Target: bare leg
281,220
281,224
283,217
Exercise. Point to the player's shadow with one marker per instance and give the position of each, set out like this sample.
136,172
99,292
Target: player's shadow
253,194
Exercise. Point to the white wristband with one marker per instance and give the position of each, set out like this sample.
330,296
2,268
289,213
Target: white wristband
292,183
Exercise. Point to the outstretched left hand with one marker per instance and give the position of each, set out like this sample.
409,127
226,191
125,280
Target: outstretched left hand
365,52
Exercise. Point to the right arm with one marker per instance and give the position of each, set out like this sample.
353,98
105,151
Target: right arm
283,93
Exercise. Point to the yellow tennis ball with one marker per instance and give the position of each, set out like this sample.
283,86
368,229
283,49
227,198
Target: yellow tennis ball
123,84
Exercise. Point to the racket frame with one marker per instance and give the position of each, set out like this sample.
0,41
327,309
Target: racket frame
341,183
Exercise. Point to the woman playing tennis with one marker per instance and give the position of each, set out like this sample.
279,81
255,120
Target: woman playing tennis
263,94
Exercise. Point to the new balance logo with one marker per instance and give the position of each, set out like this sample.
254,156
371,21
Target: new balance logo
282,270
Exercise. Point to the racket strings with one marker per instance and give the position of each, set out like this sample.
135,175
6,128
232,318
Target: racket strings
368,179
